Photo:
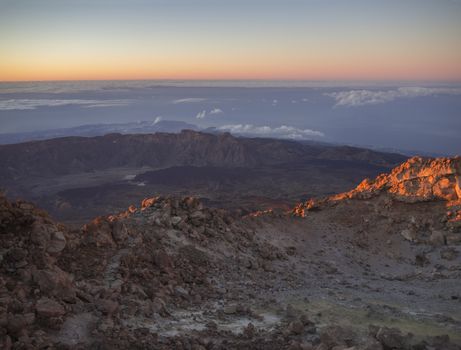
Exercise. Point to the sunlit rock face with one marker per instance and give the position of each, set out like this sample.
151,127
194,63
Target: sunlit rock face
418,179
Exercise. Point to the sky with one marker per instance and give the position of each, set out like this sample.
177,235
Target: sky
230,39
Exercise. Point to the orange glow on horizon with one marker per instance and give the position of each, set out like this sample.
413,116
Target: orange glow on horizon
230,40
451,71
362,61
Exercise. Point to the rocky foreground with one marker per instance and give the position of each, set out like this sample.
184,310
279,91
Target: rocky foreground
375,268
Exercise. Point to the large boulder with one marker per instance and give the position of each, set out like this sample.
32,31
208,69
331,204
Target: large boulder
99,233
392,338
57,243
55,282
337,336
46,307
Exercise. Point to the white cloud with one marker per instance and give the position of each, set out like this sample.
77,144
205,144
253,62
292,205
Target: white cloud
201,115
189,100
216,111
275,102
29,104
371,97
108,103
283,132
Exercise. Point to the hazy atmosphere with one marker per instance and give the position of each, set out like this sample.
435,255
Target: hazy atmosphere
403,117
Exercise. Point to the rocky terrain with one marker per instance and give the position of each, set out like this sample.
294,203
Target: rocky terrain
77,178
378,267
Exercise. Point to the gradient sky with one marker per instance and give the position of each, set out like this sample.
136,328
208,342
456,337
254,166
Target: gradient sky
230,39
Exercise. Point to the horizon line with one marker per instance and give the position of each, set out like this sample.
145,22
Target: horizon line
280,80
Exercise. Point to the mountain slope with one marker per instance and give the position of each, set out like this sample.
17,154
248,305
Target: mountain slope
174,274
416,180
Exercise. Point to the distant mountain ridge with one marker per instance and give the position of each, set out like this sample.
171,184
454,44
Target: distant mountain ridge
176,126
85,154
138,127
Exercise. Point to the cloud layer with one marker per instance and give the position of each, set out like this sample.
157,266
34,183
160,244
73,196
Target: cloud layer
189,100
283,132
28,104
216,111
354,98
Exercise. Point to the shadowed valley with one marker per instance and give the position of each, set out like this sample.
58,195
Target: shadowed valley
77,178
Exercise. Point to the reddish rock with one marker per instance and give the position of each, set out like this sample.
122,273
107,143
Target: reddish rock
148,202
119,232
54,281
296,327
16,323
49,308
108,307
163,260
99,232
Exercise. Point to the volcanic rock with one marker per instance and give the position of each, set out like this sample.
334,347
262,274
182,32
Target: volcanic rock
49,308
418,179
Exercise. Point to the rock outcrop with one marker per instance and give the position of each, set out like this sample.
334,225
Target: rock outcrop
417,180
35,292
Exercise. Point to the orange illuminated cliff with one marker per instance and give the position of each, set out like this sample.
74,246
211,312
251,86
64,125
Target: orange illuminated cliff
418,179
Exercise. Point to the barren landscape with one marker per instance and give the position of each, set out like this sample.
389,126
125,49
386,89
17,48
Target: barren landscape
78,178
374,268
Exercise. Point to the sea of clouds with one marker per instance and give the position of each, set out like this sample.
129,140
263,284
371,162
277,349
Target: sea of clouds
354,98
